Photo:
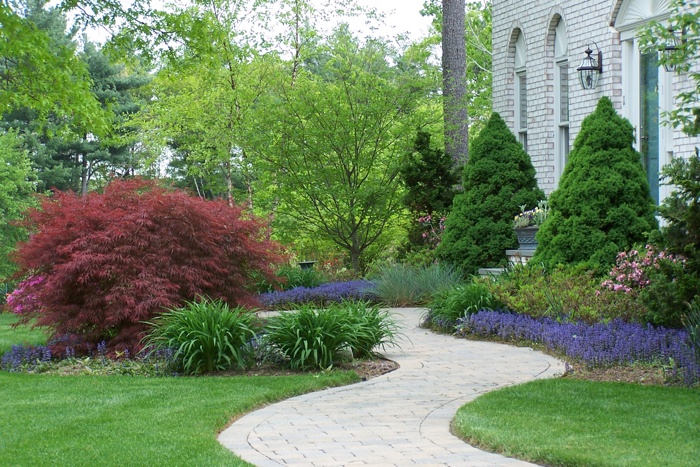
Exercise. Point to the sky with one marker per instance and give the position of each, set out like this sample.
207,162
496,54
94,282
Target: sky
403,15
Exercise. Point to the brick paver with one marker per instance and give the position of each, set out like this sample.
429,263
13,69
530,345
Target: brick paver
398,419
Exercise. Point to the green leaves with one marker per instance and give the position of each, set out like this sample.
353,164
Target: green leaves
206,335
602,205
314,338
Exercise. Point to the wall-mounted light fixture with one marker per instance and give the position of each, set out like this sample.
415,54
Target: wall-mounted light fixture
591,68
671,46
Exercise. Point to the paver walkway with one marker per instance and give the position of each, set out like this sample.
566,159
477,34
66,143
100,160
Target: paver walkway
398,419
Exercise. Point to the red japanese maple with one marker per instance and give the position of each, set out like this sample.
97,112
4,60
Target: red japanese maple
112,260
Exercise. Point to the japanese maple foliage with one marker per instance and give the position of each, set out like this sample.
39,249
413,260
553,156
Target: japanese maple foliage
112,260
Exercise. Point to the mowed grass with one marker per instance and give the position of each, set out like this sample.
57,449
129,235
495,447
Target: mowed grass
50,420
10,336
563,422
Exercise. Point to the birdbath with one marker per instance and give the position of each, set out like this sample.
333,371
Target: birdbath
306,264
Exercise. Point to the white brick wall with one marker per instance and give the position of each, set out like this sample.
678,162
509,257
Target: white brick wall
585,22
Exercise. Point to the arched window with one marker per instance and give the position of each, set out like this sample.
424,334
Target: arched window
561,96
521,89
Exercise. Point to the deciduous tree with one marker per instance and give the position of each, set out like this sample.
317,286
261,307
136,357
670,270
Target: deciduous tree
106,262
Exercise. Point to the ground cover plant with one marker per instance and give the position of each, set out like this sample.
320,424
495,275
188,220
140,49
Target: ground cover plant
596,345
498,180
573,422
603,203
331,292
400,285
102,264
112,420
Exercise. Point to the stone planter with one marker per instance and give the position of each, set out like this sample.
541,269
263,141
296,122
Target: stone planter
526,237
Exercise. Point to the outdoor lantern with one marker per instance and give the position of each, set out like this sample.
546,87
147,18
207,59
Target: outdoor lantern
671,46
590,69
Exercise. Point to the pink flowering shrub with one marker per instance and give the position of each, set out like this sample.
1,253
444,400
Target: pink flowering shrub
19,301
658,278
633,269
433,228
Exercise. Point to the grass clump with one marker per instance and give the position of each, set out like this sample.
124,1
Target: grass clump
206,336
571,422
456,302
313,338
370,328
401,285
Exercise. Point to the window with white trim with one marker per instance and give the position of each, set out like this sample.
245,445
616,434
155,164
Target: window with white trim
521,90
561,98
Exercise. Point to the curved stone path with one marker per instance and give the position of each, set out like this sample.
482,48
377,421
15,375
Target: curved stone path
399,419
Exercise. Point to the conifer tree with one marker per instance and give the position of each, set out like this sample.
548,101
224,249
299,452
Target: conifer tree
498,179
603,205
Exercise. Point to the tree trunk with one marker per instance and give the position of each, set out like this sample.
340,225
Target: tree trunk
84,176
454,69
229,184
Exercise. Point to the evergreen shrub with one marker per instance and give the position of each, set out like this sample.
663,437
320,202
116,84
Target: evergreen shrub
498,179
602,205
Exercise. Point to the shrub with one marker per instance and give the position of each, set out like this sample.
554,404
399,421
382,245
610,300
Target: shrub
289,277
430,179
206,336
322,295
498,179
113,260
691,322
596,345
681,210
660,281
565,293
458,301
402,285
603,205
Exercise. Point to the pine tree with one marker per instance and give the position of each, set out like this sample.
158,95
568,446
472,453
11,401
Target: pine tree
498,179
603,205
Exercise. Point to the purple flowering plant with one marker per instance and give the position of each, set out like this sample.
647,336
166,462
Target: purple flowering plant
596,345
332,292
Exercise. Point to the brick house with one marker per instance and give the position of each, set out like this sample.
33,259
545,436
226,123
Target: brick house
537,47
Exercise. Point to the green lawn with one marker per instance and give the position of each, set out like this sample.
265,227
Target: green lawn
583,423
10,336
133,421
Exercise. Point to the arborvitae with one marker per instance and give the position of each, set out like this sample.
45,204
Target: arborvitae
603,205
498,179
